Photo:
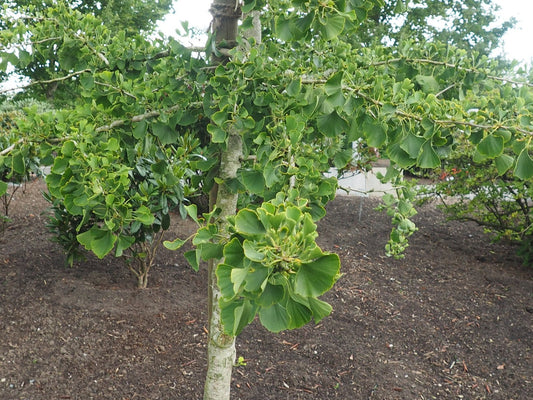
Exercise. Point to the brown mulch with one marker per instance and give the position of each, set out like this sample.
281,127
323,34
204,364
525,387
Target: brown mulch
453,320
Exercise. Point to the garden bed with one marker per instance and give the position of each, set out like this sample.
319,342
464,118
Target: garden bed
452,320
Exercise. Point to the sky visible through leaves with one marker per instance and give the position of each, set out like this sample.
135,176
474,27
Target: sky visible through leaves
516,43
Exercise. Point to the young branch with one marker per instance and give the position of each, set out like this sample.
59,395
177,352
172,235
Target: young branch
142,117
116,88
449,65
445,90
44,82
9,148
418,118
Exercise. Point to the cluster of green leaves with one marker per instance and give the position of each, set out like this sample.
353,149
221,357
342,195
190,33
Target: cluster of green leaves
489,172
129,15
283,145
109,191
17,160
273,267
304,20
113,181
270,264
16,165
400,208
12,167
420,105
126,16
152,120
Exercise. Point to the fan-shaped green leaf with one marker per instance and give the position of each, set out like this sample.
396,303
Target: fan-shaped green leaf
247,222
251,251
99,241
298,313
272,294
334,83
333,26
399,156
233,253
253,181
257,277
3,188
236,315
193,258
503,163
316,277
164,132
524,165
275,318
224,282
17,163
491,146
428,83
238,275
218,134
144,215
428,158
283,28
412,145
319,308
294,88
332,124
123,243
375,133
174,244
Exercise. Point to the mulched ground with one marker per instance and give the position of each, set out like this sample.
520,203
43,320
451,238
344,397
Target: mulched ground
453,320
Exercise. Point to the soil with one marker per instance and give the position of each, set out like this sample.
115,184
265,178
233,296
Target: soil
452,320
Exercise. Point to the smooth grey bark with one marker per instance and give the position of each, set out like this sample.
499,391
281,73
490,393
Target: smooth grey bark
221,346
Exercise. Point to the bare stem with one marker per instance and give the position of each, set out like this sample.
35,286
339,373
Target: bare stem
116,88
45,82
142,117
449,65
9,148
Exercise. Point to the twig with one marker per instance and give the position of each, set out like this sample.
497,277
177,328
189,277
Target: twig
142,117
418,118
44,40
100,55
196,49
8,149
445,90
449,65
63,78
116,88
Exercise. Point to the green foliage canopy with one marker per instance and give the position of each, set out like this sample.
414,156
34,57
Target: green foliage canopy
260,124
298,100
130,17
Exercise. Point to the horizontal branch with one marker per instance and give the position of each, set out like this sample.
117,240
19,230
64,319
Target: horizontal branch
8,149
450,65
44,40
418,118
116,88
445,121
44,82
99,54
142,117
166,53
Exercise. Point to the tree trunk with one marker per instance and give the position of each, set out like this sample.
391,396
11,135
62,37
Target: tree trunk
221,347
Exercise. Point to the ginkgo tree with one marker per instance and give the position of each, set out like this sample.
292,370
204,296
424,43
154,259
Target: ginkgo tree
254,120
